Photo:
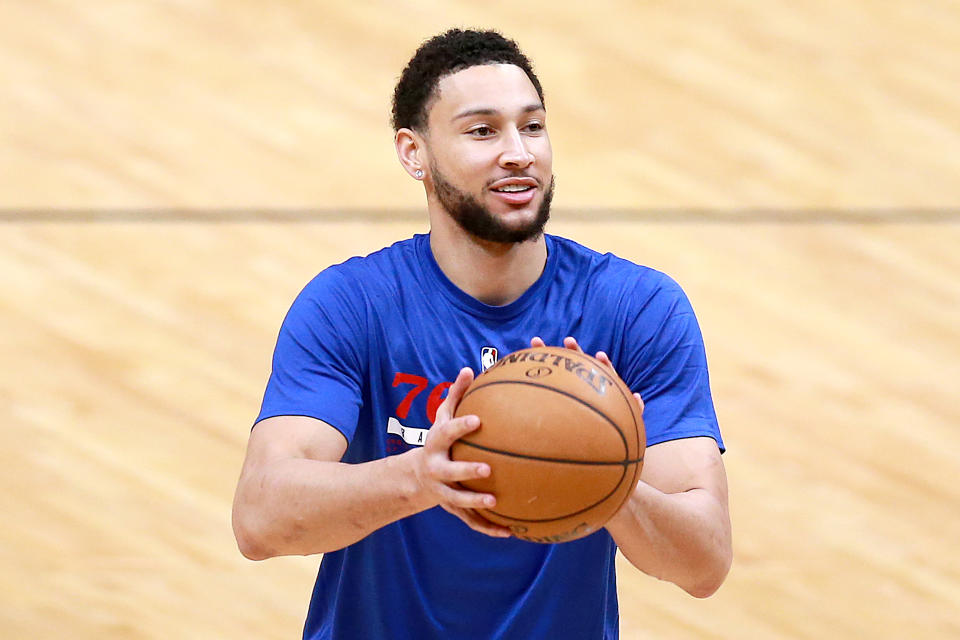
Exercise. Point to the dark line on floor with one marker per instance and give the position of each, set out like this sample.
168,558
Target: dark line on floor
919,215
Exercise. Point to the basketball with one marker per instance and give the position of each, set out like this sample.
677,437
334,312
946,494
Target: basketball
564,439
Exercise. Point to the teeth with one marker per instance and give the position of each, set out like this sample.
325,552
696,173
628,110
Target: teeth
511,188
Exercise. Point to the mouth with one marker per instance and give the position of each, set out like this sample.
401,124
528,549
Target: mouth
516,191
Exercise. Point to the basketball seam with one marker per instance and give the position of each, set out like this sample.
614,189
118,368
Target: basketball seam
616,487
590,361
633,416
611,463
623,476
616,427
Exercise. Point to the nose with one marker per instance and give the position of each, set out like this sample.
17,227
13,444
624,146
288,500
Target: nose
515,154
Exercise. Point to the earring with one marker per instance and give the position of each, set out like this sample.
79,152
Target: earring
419,173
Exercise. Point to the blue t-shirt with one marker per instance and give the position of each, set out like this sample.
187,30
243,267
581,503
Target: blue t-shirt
370,347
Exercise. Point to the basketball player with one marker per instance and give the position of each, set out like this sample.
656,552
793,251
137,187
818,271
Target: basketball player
349,455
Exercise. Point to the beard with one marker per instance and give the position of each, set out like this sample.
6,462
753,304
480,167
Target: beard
480,222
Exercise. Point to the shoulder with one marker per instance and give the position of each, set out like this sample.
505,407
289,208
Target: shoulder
337,306
613,275
359,277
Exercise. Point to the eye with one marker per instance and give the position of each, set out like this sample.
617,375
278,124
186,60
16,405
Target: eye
535,127
483,131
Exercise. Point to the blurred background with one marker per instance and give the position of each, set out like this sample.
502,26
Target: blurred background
172,172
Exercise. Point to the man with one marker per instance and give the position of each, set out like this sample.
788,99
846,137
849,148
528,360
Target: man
350,454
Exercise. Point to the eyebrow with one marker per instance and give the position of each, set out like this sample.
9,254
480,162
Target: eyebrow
490,111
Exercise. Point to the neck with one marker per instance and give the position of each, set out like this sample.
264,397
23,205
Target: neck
493,273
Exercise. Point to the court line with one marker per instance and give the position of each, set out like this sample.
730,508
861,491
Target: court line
771,215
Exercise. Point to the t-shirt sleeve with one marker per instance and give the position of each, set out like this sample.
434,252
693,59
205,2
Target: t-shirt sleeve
665,361
318,360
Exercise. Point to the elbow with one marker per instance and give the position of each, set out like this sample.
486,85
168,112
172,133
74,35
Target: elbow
710,580
250,540
250,548
705,589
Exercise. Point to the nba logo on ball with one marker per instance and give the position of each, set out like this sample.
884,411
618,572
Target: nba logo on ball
488,358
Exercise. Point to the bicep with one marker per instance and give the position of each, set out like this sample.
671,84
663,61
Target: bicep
685,464
284,437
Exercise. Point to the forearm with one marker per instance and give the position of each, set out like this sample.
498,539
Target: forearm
681,537
298,506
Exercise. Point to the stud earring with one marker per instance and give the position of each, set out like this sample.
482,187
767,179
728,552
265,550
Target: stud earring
419,173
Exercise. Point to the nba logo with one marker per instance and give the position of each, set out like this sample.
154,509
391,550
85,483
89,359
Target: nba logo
488,358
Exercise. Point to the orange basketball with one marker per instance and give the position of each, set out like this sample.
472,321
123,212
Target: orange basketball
564,440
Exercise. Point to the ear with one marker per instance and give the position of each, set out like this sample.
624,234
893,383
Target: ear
412,152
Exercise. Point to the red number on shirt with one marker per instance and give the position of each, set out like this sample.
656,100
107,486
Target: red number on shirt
419,382
435,400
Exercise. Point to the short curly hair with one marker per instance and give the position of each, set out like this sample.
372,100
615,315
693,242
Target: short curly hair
443,55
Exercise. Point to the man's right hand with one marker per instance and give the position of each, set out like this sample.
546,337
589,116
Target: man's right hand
438,475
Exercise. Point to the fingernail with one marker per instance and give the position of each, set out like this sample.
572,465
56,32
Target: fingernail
490,501
483,470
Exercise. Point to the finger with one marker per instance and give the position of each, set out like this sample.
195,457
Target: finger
478,523
639,402
604,359
537,341
571,343
465,499
448,471
481,524
454,394
443,434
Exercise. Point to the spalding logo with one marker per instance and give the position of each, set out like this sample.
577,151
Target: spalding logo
578,531
597,380
539,372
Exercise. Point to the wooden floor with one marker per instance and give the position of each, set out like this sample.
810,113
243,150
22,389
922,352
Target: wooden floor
816,144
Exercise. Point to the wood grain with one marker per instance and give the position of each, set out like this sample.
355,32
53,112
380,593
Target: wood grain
136,348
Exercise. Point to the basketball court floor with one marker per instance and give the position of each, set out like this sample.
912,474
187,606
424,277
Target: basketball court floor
172,173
